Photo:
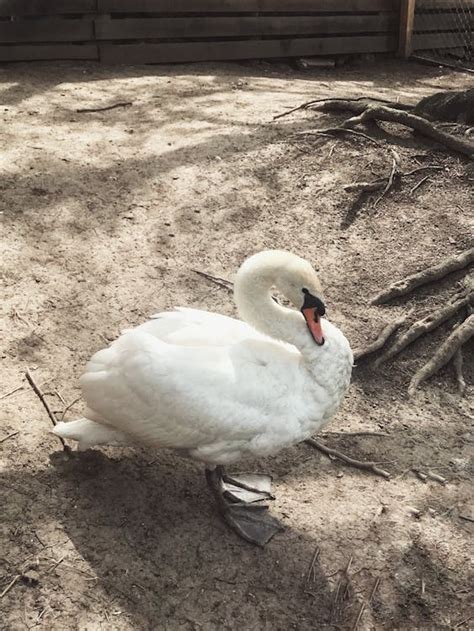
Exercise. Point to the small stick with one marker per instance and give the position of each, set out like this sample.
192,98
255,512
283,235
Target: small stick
2,440
466,517
104,109
340,130
222,282
419,474
388,186
454,341
7,394
457,361
311,576
405,286
381,339
344,575
55,565
356,433
358,464
417,186
40,395
10,585
425,325
364,604
418,169
462,622
436,477
68,407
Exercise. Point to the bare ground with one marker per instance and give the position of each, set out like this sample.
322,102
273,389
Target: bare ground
105,216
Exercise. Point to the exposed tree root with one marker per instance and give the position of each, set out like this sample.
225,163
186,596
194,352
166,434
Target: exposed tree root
425,325
370,112
445,352
428,275
377,344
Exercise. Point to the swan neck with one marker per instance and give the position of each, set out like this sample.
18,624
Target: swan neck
253,297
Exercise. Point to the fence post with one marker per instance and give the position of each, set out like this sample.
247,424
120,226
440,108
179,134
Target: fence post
407,14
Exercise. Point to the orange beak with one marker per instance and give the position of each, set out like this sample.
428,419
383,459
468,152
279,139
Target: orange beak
313,321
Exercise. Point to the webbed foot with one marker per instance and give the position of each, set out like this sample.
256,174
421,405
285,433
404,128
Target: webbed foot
236,498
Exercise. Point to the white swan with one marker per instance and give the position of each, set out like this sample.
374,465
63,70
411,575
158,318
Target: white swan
221,389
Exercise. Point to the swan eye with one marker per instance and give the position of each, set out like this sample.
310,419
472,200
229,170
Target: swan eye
305,291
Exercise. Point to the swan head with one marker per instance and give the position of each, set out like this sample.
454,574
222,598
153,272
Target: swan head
294,277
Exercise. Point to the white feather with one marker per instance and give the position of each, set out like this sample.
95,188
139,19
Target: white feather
215,386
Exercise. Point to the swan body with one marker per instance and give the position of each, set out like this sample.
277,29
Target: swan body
216,388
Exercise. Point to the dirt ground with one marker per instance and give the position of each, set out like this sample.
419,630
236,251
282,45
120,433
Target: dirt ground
106,215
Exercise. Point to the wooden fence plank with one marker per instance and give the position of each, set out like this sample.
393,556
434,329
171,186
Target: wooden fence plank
443,21
46,30
197,27
245,6
46,52
425,41
246,49
46,7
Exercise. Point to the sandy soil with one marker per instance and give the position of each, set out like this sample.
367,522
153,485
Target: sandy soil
105,216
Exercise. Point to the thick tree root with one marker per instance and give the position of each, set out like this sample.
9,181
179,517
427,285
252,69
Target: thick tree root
365,113
377,344
445,352
428,275
425,325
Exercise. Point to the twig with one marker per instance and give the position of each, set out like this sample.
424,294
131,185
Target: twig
22,319
419,474
106,108
381,340
365,603
417,186
395,161
55,565
457,361
358,464
344,576
425,168
436,477
311,575
68,407
7,394
339,130
356,433
40,395
425,325
222,282
10,585
453,343
2,440
466,517
406,285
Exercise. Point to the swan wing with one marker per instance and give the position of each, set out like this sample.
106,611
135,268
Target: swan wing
193,327
191,397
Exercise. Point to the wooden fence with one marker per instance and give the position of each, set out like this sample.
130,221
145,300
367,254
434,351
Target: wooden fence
163,31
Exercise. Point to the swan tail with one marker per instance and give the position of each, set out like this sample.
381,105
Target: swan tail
88,433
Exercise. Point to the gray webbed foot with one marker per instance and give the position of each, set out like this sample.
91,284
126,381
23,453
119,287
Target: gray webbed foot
236,498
